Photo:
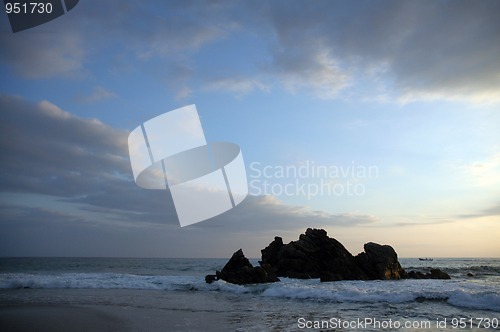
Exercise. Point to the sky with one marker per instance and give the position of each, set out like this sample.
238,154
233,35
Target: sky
377,121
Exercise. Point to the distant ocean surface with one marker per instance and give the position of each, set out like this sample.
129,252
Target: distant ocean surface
292,304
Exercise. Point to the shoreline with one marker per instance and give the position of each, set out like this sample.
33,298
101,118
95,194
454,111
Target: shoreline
60,318
54,317
131,310
159,295
111,310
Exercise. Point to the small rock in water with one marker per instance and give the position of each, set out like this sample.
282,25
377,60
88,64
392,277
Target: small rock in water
239,270
434,274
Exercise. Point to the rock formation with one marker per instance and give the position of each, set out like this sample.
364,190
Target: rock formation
380,262
239,270
315,255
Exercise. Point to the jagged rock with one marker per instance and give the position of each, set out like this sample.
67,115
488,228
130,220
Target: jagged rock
314,255
380,262
239,270
270,253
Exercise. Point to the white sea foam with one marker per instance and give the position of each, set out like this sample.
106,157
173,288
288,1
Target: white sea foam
459,293
97,280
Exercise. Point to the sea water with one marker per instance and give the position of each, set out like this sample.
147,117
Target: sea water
470,300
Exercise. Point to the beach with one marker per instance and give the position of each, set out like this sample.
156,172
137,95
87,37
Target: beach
139,310
111,310
98,294
154,310
58,318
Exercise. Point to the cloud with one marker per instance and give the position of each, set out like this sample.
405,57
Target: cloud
268,212
389,50
490,212
72,177
438,221
239,86
43,54
98,94
315,70
448,49
49,151
139,34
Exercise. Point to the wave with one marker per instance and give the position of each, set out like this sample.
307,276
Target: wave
96,281
456,293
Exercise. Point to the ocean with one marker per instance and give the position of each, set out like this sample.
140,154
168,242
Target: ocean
466,302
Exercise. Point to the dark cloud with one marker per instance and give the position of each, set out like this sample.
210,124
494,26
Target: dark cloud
405,50
124,34
48,151
446,49
43,231
70,178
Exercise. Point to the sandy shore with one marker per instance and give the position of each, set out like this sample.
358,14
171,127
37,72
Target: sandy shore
57,318
160,310
112,310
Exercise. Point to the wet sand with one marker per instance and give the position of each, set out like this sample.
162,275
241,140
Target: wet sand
103,318
113,310
57,318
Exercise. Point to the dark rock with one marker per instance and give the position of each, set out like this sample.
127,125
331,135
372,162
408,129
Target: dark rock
270,253
434,274
211,278
380,262
438,274
415,275
470,275
239,270
327,276
237,262
314,255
